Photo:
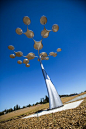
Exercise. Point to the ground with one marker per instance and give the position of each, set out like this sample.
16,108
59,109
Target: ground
68,119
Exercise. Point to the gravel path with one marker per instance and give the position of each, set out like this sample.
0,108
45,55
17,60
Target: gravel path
77,98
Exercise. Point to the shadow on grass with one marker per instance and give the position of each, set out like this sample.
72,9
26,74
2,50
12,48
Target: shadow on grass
39,111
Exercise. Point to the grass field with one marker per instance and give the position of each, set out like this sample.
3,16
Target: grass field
73,118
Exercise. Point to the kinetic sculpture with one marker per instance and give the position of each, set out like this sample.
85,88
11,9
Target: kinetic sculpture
54,99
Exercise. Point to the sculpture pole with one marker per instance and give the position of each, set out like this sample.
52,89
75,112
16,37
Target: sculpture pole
54,99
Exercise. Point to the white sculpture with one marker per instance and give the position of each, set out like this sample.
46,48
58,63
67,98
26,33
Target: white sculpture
54,99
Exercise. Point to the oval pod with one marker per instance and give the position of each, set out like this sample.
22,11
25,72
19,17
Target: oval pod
26,20
19,31
12,56
19,62
11,47
27,65
43,20
55,28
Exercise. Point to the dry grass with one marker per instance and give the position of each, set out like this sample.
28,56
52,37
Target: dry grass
73,118
68,119
24,112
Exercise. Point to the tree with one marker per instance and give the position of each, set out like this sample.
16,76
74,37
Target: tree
41,101
37,103
1,113
28,105
14,108
18,107
24,107
47,99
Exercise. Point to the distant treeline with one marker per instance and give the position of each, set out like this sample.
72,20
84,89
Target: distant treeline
68,95
17,107
42,101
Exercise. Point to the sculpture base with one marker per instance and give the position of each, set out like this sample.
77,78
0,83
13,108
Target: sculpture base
55,107
62,108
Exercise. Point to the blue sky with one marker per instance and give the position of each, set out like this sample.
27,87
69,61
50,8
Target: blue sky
21,85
